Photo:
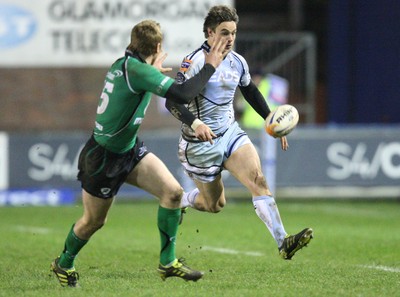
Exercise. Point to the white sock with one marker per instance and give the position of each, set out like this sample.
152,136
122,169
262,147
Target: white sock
189,198
268,212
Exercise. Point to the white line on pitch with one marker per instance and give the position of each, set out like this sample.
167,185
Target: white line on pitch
383,268
31,229
230,251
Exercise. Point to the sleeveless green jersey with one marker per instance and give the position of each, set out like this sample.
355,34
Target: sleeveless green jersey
128,88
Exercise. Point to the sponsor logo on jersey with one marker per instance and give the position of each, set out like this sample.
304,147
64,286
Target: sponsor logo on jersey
114,74
17,25
185,65
225,76
110,76
161,85
138,121
118,73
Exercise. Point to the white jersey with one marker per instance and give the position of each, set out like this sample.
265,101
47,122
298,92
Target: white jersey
214,105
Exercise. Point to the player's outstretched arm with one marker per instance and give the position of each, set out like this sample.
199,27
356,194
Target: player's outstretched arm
183,93
256,100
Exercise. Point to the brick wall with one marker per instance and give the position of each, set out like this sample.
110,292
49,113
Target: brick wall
57,99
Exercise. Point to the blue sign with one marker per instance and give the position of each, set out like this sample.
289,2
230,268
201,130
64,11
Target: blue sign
37,197
17,25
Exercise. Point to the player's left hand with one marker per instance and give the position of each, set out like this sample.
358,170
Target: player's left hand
159,59
284,143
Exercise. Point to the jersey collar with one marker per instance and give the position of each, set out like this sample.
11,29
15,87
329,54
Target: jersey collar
205,46
135,54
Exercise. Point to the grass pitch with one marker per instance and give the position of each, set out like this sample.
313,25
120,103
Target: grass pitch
355,251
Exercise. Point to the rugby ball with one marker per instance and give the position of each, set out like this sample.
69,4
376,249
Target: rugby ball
282,120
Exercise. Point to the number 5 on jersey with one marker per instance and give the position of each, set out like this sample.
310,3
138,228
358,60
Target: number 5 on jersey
108,88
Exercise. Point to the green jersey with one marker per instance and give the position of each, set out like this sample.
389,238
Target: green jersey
128,88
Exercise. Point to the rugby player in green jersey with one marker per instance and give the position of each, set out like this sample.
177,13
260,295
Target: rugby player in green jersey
115,155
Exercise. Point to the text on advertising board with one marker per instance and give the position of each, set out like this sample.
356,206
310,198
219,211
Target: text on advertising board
348,161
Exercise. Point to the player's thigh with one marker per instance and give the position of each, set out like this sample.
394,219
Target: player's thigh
244,164
212,191
95,209
151,175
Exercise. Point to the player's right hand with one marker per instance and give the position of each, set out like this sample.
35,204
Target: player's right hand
158,61
204,133
284,143
217,52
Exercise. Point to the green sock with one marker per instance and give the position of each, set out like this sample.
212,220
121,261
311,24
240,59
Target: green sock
168,221
72,246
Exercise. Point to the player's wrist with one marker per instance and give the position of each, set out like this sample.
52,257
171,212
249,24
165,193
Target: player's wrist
196,123
210,64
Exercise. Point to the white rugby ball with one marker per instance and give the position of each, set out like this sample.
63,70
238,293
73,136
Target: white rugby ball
282,120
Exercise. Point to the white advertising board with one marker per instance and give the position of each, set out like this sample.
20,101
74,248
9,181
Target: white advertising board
3,161
59,33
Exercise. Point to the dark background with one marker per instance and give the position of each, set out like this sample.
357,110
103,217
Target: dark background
358,49
358,52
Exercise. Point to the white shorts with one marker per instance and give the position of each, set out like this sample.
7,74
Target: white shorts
204,161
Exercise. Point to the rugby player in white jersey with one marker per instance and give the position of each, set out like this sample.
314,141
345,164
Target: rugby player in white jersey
212,140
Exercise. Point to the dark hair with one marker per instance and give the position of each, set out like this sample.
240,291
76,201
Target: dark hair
217,15
144,38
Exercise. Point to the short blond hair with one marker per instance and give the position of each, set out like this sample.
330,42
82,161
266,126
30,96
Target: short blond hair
144,38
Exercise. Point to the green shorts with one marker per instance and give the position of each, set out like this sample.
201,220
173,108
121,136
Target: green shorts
103,172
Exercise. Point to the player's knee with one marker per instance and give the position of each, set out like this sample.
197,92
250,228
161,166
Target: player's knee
260,181
175,195
94,224
98,226
214,209
217,207
99,223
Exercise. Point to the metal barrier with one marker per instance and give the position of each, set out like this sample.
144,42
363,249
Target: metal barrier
289,55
